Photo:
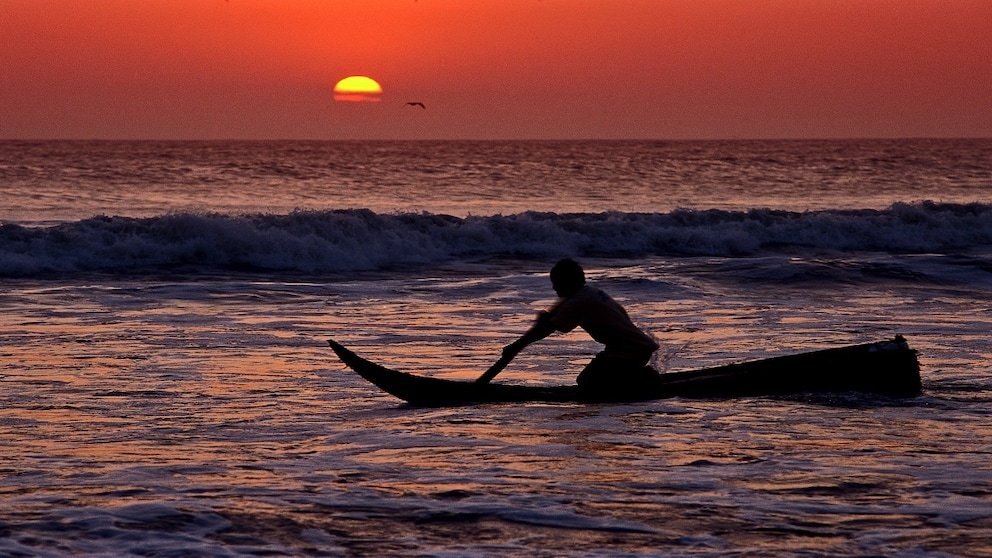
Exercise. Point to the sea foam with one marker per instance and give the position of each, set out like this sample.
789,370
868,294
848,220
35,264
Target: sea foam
362,240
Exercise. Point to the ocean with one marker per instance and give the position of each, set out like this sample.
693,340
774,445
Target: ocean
167,388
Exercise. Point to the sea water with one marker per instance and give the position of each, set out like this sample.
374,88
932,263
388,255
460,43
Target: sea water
167,389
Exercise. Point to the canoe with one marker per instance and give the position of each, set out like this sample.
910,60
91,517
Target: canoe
886,368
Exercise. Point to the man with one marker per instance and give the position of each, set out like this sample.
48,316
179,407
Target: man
622,363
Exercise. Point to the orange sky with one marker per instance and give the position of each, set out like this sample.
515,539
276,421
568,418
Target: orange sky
515,69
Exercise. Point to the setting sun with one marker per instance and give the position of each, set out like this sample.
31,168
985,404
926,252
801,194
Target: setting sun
357,88
512,69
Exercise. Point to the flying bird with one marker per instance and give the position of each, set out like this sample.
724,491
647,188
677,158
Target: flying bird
416,104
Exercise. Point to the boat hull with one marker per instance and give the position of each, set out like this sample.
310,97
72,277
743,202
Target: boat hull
887,368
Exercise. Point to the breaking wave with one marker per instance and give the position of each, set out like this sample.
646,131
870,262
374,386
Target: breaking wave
361,240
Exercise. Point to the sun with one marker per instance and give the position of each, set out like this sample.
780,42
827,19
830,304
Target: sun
357,88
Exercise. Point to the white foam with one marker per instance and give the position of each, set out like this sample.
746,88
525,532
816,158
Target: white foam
361,240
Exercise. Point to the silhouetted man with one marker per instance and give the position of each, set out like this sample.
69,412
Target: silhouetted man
623,362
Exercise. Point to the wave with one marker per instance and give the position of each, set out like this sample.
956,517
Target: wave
361,240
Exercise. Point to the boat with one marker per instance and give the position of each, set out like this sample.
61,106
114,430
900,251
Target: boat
888,368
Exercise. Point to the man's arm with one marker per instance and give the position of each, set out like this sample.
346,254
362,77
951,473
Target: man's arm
542,328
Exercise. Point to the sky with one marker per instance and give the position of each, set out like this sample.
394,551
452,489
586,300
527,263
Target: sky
496,69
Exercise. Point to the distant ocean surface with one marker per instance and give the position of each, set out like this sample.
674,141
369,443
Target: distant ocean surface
167,389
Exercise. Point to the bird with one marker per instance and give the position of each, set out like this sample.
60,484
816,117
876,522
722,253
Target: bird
416,104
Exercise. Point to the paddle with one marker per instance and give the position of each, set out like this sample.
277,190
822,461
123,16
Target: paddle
495,369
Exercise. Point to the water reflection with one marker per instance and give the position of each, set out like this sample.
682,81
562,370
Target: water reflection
218,404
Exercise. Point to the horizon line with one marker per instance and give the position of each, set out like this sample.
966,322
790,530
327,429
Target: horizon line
589,139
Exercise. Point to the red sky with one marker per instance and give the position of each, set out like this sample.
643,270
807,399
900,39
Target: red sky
494,69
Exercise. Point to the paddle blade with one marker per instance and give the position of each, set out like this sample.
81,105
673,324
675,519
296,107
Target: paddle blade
494,369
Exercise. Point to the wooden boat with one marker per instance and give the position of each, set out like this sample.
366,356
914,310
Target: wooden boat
887,368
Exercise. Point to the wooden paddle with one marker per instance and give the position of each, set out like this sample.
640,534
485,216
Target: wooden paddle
495,369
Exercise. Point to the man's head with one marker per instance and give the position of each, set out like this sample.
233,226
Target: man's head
567,277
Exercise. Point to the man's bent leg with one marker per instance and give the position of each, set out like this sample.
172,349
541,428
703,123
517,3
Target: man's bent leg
612,373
